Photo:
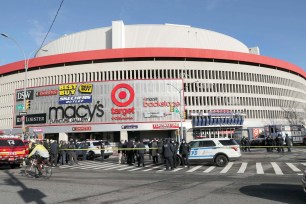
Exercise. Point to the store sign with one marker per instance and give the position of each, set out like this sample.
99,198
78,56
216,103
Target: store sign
75,99
166,126
38,130
154,102
85,88
155,114
81,128
129,126
71,114
68,89
46,93
32,119
29,95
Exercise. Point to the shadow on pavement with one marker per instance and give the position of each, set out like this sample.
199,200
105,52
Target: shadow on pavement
285,193
27,194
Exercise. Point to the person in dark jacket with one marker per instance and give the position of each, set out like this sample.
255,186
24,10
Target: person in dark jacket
84,150
175,149
72,153
288,143
62,147
54,153
102,151
184,152
168,154
140,149
280,142
129,152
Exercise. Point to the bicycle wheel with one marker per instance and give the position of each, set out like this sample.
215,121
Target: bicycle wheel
30,171
46,172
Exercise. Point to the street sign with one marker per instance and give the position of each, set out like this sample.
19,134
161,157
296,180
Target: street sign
23,113
20,107
176,110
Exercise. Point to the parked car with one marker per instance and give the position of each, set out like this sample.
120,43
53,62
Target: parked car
218,151
94,149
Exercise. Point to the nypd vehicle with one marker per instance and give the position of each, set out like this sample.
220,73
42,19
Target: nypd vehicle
218,151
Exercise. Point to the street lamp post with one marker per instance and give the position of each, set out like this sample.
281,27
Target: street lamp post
181,119
26,65
25,79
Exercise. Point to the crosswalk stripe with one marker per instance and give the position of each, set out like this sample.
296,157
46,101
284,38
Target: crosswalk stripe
293,167
209,169
227,167
304,164
276,168
129,167
259,169
103,166
156,167
242,168
113,167
193,169
93,166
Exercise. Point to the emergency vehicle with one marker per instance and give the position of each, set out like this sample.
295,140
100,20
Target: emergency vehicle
12,150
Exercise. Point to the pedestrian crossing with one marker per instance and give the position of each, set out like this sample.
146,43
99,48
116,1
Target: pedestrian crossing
260,168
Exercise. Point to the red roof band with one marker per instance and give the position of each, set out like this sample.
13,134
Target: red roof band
151,52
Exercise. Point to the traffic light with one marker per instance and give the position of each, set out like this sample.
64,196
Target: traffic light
28,104
185,114
171,108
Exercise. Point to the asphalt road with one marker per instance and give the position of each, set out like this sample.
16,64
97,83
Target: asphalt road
104,182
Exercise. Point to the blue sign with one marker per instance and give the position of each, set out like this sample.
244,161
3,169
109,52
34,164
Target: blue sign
75,99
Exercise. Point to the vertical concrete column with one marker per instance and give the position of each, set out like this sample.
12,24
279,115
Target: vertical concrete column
189,136
123,135
62,136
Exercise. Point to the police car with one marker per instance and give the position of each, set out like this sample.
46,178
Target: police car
12,150
218,151
94,149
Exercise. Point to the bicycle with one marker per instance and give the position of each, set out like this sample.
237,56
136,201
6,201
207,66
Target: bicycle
31,169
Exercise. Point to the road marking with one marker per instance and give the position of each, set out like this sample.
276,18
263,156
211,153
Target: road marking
276,168
95,166
177,169
193,169
227,167
102,167
156,167
115,166
259,168
209,169
242,168
293,167
304,164
129,167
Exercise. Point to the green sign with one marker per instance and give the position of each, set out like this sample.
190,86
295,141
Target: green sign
20,107
176,110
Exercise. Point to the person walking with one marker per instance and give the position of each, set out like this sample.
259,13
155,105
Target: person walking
140,149
54,153
155,152
168,154
102,151
120,152
175,149
288,143
184,152
84,150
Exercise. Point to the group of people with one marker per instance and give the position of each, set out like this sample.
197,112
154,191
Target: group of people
160,151
271,143
278,142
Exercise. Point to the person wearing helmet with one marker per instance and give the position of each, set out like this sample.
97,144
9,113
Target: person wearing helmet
42,153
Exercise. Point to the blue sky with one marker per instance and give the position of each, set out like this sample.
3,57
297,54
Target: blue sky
278,27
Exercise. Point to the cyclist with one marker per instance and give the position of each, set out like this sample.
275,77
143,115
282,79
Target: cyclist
42,152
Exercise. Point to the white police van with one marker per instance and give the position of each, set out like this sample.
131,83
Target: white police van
218,151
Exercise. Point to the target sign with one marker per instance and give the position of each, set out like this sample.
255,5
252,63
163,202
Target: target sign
122,95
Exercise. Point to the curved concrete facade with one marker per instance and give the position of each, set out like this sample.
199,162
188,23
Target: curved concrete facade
218,76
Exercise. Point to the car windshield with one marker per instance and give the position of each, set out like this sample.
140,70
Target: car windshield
15,143
228,142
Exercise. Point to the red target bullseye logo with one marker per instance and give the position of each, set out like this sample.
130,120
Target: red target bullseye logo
125,93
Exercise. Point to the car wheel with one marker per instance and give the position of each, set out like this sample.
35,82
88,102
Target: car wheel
221,161
91,156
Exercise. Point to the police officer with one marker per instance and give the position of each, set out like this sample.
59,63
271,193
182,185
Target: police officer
168,154
102,151
84,150
140,149
54,153
175,148
72,153
184,152
280,142
129,152
288,143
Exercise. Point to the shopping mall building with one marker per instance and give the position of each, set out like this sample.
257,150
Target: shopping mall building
146,81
